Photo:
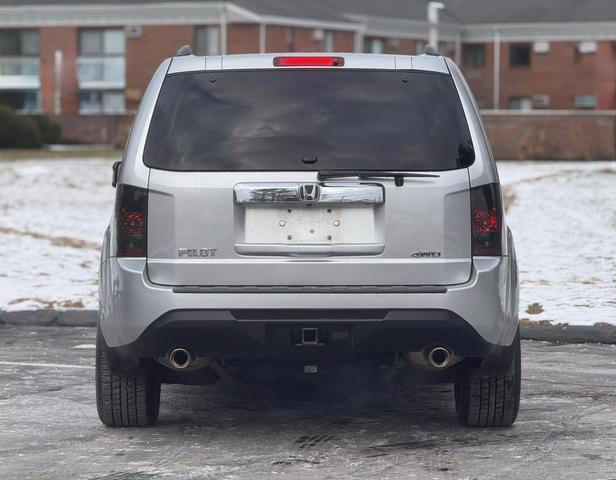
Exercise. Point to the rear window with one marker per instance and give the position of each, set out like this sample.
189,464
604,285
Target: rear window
308,120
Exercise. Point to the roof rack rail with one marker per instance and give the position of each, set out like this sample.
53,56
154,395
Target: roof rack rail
184,51
432,51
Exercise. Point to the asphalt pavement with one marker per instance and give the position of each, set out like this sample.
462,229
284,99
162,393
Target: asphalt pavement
305,427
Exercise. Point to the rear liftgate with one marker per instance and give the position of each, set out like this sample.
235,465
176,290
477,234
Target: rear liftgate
212,232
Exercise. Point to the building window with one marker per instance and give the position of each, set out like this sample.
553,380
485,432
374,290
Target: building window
374,45
541,101
101,102
585,101
101,42
19,70
101,70
420,47
290,39
328,41
19,53
519,55
207,40
19,43
474,55
22,101
520,103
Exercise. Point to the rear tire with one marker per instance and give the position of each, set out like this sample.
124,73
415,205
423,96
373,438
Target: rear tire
491,401
124,401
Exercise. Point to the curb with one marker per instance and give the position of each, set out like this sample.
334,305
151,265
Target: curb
50,318
564,333
561,333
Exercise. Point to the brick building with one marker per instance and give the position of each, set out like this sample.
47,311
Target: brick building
78,58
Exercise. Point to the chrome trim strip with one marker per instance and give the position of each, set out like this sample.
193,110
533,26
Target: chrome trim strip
307,249
330,192
334,289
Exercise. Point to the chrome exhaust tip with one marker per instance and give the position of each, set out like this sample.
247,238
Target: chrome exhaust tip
439,357
180,358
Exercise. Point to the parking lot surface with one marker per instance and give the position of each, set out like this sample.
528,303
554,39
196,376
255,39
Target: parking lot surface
300,428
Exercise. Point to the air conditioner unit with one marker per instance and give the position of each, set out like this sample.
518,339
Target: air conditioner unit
133,31
541,101
541,47
587,47
585,101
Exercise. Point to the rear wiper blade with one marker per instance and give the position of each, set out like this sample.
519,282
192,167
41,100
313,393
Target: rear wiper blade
397,176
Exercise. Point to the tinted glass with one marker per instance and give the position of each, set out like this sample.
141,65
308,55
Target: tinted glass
519,55
30,42
91,42
98,41
19,42
474,55
113,42
207,40
279,120
10,42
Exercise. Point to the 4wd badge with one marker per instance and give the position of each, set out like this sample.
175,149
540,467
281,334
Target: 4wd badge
197,252
421,254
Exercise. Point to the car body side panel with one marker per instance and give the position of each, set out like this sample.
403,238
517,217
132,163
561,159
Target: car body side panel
133,170
483,170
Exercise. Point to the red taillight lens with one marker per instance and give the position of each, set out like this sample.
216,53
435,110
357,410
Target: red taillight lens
486,220
308,62
131,215
132,223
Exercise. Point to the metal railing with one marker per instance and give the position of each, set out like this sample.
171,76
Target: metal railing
19,66
107,72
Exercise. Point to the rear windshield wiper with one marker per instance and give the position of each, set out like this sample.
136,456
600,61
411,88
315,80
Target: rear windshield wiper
397,176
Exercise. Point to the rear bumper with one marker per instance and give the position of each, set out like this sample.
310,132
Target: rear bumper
473,317
257,333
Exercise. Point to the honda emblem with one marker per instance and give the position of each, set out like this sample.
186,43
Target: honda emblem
309,192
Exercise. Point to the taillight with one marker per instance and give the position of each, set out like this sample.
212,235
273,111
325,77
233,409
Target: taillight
309,61
486,220
131,217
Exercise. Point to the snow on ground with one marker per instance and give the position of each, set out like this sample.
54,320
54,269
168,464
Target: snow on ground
563,219
53,214
563,216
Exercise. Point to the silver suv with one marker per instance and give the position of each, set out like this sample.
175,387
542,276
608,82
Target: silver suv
308,209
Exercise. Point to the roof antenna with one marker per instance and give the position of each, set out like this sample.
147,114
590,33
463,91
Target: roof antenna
183,51
430,50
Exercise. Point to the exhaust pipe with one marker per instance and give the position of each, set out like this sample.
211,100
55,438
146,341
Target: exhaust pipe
439,357
180,358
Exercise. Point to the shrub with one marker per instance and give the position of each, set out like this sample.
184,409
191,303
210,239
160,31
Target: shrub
51,131
17,131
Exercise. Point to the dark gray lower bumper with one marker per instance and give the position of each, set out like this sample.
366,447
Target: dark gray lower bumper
262,333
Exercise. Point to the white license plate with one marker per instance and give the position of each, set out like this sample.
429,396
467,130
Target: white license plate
310,225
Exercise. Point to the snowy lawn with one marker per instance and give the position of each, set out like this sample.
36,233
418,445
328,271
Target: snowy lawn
563,216
52,217
563,219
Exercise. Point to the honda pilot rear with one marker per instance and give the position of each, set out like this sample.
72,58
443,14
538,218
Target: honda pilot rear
309,210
